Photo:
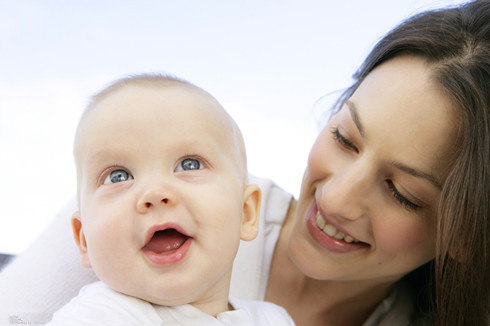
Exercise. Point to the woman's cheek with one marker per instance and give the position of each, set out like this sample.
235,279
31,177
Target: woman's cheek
315,155
410,237
320,157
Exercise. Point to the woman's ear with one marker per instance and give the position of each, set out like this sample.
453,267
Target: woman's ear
76,225
251,212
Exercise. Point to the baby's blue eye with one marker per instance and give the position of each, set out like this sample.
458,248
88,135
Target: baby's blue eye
189,164
117,176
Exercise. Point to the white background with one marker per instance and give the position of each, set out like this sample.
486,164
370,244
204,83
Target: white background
266,61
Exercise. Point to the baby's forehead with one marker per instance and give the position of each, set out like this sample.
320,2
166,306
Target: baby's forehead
135,93
182,103
134,108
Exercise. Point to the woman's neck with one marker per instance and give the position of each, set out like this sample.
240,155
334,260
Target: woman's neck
313,302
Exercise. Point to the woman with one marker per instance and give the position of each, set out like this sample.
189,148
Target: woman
391,227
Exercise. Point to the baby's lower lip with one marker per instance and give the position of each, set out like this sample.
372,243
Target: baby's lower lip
169,257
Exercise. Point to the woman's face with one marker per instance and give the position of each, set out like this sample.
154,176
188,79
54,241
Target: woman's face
370,192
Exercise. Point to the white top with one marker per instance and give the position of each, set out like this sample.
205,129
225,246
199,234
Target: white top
98,305
49,273
254,259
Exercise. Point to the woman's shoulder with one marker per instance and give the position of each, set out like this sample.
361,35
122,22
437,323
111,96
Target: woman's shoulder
397,308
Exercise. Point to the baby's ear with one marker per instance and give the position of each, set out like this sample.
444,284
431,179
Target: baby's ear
76,225
251,212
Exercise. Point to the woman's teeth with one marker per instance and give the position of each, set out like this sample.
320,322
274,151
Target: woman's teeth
332,230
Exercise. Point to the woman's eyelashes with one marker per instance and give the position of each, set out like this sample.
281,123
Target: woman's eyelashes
116,175
400,198
347,144
344,142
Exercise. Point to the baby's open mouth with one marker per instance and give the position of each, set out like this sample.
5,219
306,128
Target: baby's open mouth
166,241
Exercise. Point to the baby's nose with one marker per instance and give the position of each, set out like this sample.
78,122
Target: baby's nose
153,197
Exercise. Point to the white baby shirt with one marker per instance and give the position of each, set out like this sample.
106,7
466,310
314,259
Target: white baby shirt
97,304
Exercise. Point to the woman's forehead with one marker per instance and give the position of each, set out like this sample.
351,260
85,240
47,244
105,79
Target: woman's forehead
400,106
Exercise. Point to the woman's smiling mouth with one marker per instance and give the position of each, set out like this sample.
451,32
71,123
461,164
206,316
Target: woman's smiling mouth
328,236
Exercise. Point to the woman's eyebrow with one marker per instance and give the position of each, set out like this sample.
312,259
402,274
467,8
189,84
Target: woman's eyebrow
355,116
416,173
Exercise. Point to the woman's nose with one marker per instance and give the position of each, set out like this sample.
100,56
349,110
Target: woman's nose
347,193
155,196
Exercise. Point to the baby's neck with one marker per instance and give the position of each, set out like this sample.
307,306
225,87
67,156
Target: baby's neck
214,305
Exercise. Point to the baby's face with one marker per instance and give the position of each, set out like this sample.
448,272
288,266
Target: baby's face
161,190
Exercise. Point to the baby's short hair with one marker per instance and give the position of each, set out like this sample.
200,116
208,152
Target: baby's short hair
152,79
167,80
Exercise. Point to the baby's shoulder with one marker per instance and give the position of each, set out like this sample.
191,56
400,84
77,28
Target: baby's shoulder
98,304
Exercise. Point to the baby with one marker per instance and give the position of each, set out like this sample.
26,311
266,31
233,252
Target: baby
163,203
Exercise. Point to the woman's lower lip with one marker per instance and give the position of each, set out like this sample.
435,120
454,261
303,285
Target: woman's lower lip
326,241
168,258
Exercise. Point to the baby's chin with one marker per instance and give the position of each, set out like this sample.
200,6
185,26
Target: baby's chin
173,296
212,305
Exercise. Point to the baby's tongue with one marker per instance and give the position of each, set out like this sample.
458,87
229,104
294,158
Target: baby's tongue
166,241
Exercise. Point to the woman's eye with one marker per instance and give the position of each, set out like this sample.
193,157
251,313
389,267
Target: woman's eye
400,198
189,164
116,176
344,142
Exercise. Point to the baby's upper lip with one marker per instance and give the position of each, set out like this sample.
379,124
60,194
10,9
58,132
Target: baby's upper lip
162,227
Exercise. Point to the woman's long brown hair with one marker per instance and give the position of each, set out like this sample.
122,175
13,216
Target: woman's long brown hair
455,42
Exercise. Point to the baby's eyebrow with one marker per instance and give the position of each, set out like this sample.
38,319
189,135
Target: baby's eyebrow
95,158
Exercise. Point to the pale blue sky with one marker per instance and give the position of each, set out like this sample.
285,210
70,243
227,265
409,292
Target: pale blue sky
266,61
